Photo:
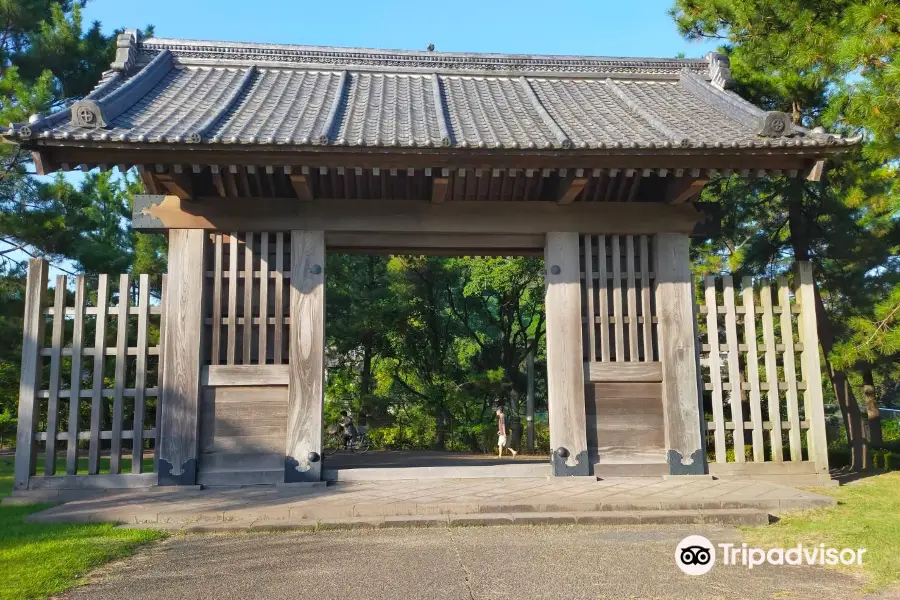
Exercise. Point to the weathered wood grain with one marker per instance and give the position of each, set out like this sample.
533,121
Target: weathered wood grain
631,295
56,342
97,404
752,363
30,382
646,311
277,339
735,397
262,345
627,371
678,353
603,298
76,375
625,422
772,401
179,397
140,377
118,412
307,356
619,324
814,406
244,375
231,343
247,330
411,216
590,315
215,356
565,368
790,373
715,369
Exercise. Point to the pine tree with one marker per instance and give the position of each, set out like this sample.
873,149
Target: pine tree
833,64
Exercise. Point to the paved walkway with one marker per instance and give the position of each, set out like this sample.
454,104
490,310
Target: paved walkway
468,563
439,501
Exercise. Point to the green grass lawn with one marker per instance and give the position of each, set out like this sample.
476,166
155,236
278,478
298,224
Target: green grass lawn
37,560
867,516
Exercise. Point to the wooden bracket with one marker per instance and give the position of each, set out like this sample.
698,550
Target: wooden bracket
177,184
301,187
439,189
150,183
815,172
571,192
682,190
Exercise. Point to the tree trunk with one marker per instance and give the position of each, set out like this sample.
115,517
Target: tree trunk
873,413
365,382
850,412
440,438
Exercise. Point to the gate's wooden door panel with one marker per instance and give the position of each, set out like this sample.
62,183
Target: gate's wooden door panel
243,411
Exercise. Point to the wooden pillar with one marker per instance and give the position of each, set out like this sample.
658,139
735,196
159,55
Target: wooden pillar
811,366
678,351
565,363
30,383
303,454
180,394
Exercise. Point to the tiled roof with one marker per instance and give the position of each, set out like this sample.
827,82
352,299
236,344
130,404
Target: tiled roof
187,92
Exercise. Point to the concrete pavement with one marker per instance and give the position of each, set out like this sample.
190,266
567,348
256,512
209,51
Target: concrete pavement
445,499
468,563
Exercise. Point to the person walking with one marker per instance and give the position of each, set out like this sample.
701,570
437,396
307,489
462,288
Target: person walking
501,434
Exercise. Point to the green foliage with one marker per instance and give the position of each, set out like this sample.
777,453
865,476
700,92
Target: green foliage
830,64
424,349
872,338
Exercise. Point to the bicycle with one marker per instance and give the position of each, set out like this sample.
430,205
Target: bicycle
334,442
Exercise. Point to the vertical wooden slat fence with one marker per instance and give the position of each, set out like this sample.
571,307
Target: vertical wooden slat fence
67,401
247,315
778,341
620,322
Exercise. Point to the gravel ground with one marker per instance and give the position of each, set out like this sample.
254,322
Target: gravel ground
467,563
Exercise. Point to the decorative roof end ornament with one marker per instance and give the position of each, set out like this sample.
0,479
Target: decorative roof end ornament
775,124
87,113
126,50
720,71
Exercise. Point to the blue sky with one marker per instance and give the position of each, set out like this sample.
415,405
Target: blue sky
595,27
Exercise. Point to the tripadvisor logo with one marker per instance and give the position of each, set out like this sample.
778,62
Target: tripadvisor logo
696,555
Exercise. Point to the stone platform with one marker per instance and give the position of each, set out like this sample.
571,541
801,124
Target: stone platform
442,502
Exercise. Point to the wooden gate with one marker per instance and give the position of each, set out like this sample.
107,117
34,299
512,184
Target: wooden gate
623,373
244,381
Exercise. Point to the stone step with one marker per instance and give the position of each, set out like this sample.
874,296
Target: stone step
653,517
457,472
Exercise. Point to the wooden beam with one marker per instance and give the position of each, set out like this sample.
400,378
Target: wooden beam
615,372
301,187
303,453
682,190
571,192
177,184
454,244
159,213
439,188
180,387
679,355
565,368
